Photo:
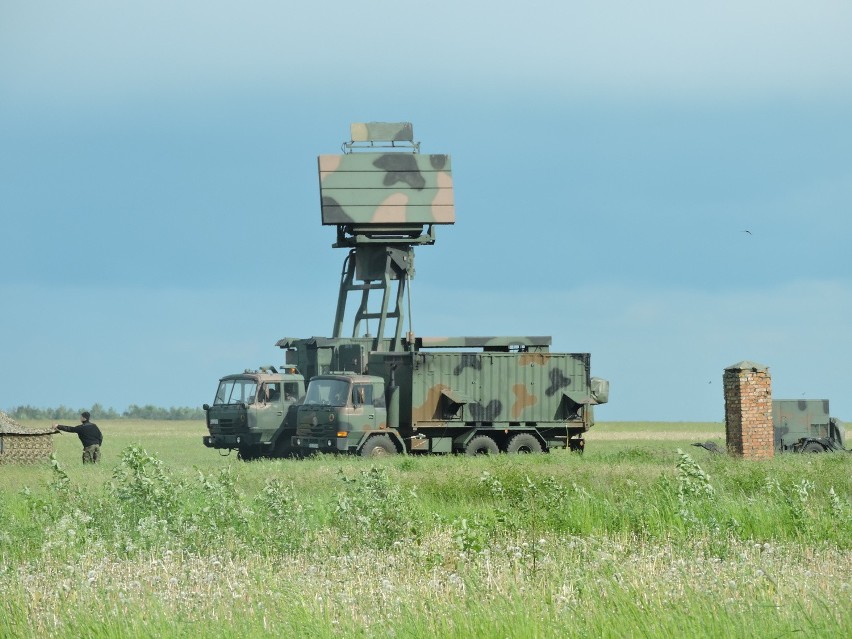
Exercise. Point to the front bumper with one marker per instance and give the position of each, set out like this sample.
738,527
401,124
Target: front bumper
230,441
320,444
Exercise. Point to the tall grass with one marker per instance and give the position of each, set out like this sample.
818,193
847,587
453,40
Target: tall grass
622,541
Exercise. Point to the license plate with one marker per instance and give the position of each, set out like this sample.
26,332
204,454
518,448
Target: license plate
313,445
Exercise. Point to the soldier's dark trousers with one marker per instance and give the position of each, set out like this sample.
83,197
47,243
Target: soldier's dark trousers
92,454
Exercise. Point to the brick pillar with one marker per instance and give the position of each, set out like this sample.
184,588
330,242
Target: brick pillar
748,411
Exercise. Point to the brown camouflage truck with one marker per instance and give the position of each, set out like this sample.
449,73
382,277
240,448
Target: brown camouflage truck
424,395
509,395
381,389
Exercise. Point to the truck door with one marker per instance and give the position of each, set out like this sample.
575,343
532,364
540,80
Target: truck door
269,408
363,410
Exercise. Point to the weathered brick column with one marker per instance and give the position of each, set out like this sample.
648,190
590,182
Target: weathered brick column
748,411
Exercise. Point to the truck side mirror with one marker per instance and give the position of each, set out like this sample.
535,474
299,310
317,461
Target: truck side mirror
205,407
358,396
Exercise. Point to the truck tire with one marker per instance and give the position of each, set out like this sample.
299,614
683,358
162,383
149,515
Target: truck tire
524,443
481,445
247,454
813,447
283,449
378,446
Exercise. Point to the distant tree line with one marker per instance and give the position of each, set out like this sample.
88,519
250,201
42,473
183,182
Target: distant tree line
99,412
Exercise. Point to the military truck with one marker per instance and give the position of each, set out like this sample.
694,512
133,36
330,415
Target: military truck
254,412
805,426
251,414
385,198
493,394
512,395
381,212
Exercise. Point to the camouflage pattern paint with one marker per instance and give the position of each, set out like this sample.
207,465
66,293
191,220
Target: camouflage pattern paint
386,188
448,396
501,387
385,197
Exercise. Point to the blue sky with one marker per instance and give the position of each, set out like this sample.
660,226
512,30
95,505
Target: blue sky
160,207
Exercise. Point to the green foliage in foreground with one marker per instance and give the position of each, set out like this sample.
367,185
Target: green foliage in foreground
637,541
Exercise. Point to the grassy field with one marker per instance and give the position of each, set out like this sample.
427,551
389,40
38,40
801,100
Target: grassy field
643,535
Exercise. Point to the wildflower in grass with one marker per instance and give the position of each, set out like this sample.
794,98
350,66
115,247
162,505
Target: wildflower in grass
60,482
494,485
803,490
579,491
839,510
143,486
375,510
692,484
691,478
772,485
468,536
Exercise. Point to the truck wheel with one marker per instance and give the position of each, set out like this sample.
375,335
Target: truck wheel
524,443
813,447
247,454
378,446
481,445
283,449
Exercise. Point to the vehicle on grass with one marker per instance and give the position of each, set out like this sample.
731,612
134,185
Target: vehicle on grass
385,198
512,396
254,412
805,426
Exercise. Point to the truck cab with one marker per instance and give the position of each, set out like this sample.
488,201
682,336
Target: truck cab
345,412
253,412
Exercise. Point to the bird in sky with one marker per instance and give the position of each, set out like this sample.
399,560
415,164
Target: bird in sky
747,231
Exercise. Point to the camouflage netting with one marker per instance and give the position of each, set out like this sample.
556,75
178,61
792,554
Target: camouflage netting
23,445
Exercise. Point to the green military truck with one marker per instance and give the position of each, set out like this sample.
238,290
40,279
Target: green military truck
425,395
513,395
493,394
383,204
805,426
254,412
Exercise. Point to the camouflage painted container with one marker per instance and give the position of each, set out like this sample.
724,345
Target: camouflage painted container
491,401
386,189
488,387
441,402
23,445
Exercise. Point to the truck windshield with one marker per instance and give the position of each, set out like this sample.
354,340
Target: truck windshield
333,392
236,391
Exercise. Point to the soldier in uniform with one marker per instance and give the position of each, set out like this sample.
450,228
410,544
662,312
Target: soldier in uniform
90,436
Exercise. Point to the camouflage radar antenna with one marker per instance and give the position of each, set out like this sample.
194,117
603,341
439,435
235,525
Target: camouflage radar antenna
385,198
